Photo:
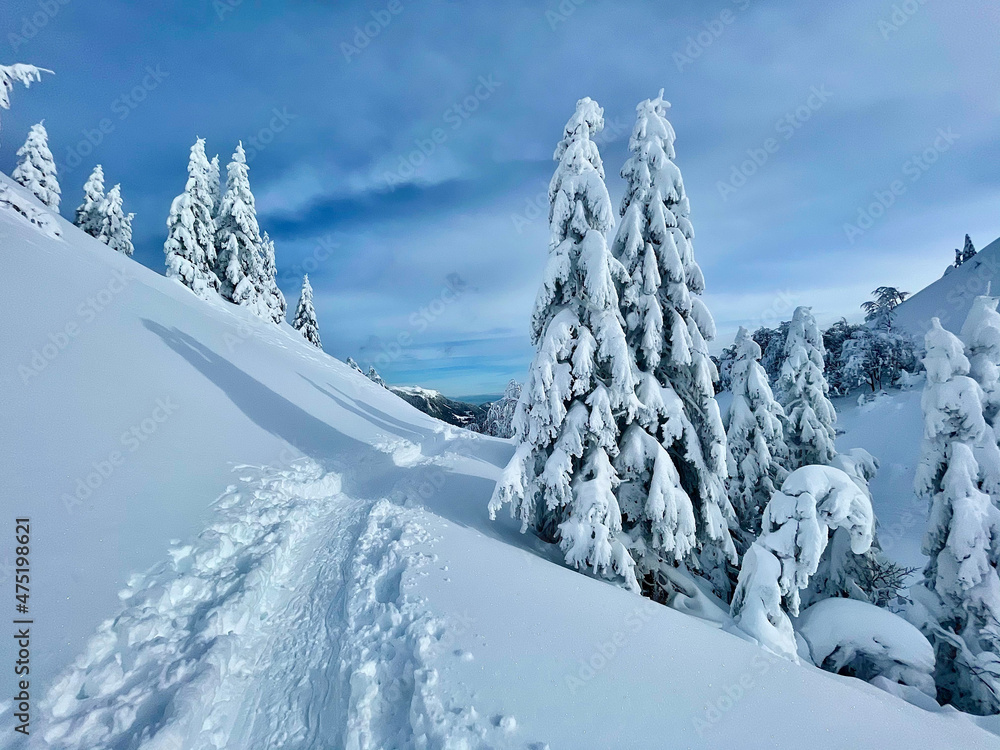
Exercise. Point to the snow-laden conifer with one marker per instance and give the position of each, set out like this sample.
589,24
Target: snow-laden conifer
17,73
500,416
305,315
190,245
354,365
561,481
36,169
813,502
960,591
375,377
215,185
88,216
802,391
116,225
755,442
271,295
238,241
673,462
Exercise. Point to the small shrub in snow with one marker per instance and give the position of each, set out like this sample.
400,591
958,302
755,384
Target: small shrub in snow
813,502
858,639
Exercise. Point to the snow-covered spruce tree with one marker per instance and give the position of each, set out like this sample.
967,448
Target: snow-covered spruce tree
755,440
305,316
237,240
354,365
17,73
500,416
36,169
270,293
673,461
88,216
813,501
116,226
215,185
981,336
968,250
375,377
802,391
581,385
190,245
960,591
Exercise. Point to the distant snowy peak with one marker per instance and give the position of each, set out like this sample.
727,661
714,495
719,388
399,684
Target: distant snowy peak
950,297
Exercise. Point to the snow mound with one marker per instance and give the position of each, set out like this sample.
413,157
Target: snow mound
868,642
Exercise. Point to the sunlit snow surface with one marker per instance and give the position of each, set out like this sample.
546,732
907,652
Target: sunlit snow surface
290,556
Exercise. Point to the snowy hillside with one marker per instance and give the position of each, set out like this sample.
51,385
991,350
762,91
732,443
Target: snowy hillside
342,587
950,297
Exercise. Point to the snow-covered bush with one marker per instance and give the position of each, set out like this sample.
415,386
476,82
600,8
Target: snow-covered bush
561,482
354,365
499,420
802,391
190,245
36,169
88,216
116,225
855,638
755,439
813,502
673,459
305,316
957,605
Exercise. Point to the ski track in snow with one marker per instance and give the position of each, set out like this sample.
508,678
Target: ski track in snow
286,624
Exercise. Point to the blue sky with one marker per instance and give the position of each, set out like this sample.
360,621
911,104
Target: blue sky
400,151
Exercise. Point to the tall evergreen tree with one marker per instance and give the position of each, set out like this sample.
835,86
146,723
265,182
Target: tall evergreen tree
960,592
270,293
238,241
755,440
305,315
88,216
116,226
190,245
36,169
802,391
677,456
581,385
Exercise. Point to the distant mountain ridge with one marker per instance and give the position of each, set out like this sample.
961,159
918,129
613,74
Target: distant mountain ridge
433,403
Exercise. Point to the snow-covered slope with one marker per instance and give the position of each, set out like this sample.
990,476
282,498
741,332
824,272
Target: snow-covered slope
346,589
950,297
